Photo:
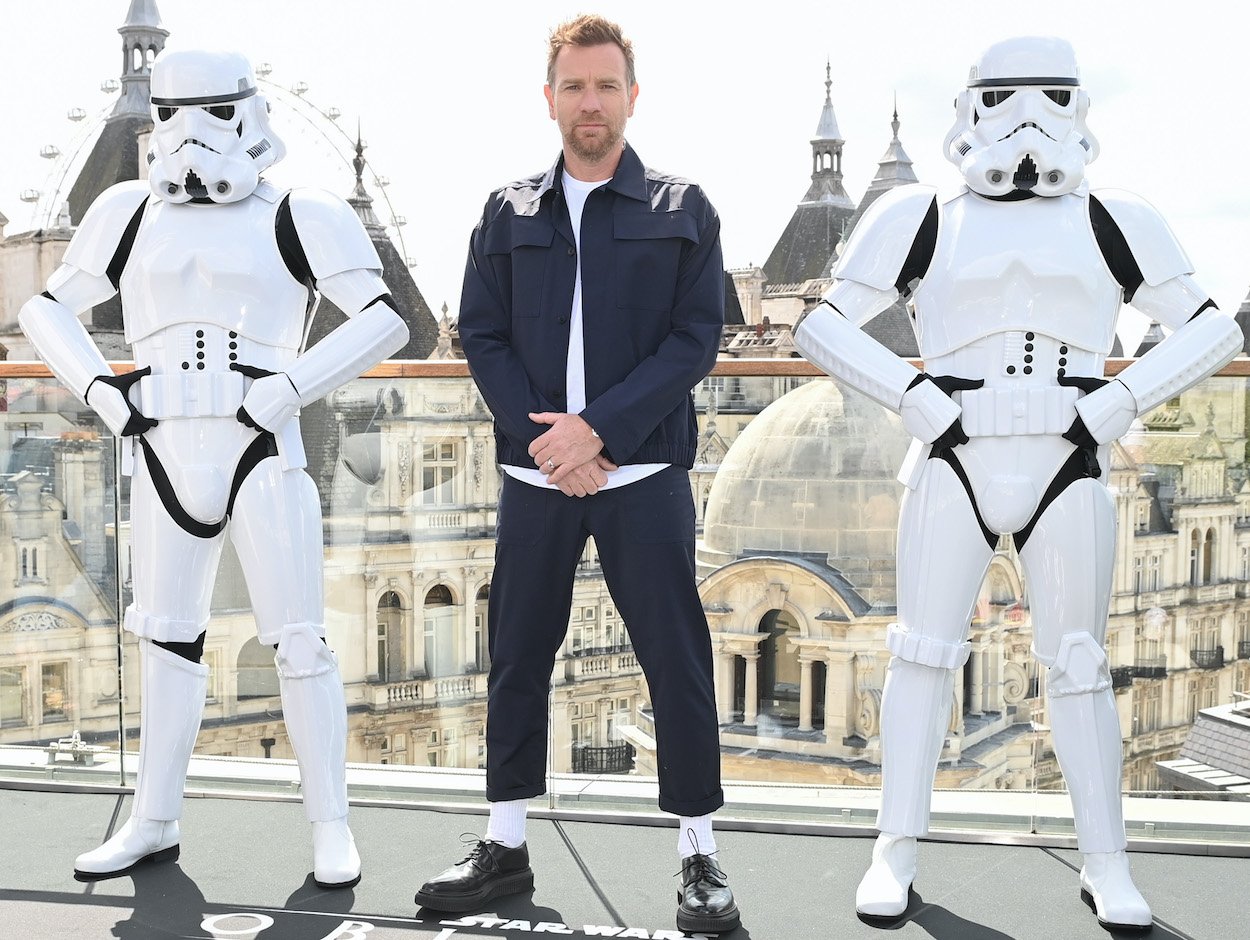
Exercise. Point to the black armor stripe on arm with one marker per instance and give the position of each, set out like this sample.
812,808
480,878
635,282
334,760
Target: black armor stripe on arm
382,299
290,248
117,264
50,297
1115,250
921,254
1209,305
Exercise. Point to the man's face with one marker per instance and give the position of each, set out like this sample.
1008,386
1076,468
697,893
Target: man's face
590,100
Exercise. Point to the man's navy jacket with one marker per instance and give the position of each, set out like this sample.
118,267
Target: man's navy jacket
653,303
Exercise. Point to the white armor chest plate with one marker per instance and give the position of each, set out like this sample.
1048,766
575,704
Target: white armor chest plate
213,266
1016,267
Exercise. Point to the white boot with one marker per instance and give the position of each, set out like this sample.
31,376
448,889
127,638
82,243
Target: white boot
1086,730
1107,884
138,840
315,711
883,891
172,704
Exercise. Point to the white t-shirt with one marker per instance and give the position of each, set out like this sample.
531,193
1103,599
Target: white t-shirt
575,193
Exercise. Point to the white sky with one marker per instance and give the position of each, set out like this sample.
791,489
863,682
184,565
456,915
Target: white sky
450,99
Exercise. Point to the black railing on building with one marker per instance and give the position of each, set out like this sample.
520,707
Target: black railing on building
1208,659
1243,649
1121,677
1150,667
614,759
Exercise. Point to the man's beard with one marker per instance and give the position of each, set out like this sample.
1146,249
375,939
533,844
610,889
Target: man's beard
593,150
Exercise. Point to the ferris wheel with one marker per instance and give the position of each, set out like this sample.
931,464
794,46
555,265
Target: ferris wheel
320,152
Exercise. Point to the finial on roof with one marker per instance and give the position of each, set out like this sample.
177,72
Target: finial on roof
359,163
894,123
828,81
360,200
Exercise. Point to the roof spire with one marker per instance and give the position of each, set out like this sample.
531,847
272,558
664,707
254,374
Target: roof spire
143,38
360,200
827,129
894,123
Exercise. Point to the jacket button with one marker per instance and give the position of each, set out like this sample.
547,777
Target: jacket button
564,320
572,250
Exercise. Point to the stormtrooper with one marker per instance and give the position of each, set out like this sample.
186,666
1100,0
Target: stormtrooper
218,272
1013,287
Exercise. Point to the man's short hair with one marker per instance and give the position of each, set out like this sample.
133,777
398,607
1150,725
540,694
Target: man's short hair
589,29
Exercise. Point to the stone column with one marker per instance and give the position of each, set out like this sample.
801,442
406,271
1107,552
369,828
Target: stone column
805,695
840,699
751,705
977,664
724,675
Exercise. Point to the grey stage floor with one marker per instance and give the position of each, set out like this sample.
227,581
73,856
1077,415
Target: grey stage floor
245,865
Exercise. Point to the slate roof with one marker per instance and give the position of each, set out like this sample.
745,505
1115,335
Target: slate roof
1216,753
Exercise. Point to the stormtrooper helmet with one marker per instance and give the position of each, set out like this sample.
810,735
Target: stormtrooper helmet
1020,123
211,136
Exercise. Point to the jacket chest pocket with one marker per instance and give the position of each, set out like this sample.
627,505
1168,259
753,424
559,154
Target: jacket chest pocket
649,248
522,249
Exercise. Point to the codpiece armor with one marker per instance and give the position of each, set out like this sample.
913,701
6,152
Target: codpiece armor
218,273
1013,287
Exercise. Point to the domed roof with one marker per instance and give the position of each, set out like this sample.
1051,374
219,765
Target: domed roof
813,474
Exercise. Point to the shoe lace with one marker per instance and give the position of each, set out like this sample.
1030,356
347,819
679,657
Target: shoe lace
700,867
479,854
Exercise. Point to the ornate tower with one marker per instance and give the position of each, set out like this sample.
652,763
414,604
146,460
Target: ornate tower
143,38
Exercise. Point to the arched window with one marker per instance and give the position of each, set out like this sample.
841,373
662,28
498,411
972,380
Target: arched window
778,677
1208,557
392,663
257,677
34,562
25,563
440,632
136,59
1194,567
481,632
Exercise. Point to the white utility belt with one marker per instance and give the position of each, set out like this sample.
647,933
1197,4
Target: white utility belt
1007,412
191,395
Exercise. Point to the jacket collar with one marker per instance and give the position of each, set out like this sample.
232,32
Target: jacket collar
630,178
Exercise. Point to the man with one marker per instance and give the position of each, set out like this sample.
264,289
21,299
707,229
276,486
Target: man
217,270
1020,279
593,302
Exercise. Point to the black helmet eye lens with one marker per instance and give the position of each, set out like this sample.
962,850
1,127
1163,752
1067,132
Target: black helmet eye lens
1060,96
165,113
992,99
223,112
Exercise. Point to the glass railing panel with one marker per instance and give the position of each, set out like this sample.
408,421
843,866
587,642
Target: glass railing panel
60,688
797,504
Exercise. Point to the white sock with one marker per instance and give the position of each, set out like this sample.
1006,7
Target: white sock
507,823
694,836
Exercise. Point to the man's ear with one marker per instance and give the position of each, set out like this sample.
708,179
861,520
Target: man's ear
633,96
551,101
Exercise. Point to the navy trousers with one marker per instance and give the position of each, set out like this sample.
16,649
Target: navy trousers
645,536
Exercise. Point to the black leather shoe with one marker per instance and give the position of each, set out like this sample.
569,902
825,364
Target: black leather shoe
705,902
490,870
